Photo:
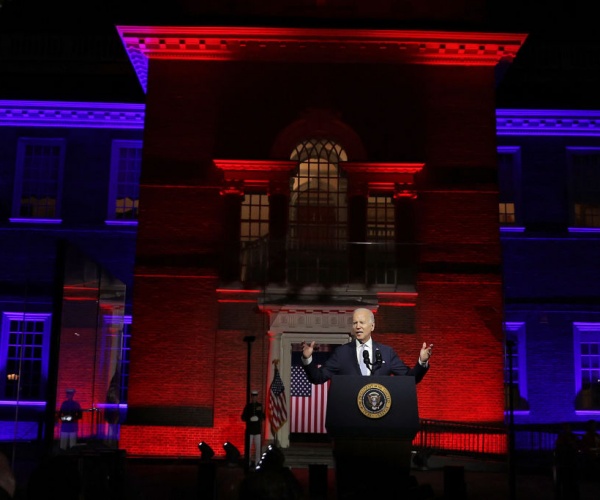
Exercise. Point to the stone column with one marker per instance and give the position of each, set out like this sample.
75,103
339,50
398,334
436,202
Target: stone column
406,234
232,211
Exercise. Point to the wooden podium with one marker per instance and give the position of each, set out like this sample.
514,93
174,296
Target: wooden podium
372,421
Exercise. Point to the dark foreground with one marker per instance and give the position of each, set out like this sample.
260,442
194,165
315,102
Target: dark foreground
446,482
115,476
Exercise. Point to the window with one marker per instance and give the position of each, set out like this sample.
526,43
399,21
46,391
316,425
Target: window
124,191
586,338
584,166
38,180
253,232
515,367
24,355
509,166
318,214
380,218
116,353
381,256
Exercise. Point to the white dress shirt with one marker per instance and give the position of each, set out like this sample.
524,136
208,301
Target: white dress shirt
368,346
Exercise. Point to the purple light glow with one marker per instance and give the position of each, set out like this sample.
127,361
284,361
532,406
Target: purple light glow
112,406
121,222
35,221
71,114
547,122
584,230
22,403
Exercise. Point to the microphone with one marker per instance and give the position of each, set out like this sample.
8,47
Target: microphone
366,358
378,359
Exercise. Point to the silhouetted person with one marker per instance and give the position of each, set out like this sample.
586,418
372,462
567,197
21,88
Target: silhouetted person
567,452
590,446
69,414
254,415
277,484
271,480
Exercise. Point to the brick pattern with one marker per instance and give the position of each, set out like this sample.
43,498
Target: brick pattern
188,347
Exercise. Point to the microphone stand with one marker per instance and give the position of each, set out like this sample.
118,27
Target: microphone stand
367,360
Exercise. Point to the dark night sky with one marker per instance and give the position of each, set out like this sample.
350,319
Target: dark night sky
559,66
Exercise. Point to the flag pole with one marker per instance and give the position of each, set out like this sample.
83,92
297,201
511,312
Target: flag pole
277,403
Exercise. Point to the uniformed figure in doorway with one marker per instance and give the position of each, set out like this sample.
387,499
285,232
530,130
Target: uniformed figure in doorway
254,416
69,414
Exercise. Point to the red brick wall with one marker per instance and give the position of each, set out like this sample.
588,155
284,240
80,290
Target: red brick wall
460,303
465,382
187,345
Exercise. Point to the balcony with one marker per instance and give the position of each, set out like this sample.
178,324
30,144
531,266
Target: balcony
296,263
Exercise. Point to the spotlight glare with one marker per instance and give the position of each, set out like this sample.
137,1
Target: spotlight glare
232,454
206,452
272,459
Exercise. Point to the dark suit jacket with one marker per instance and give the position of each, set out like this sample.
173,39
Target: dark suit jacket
343,361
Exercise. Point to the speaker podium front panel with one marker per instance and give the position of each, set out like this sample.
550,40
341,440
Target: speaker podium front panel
373,421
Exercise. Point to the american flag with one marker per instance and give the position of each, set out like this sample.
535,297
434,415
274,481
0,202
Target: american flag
277,403
308,403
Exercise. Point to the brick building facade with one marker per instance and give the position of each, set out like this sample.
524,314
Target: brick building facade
289,175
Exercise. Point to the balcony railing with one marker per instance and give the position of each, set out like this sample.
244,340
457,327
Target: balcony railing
459,438
373,263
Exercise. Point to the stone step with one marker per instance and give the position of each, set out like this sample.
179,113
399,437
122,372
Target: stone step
301,455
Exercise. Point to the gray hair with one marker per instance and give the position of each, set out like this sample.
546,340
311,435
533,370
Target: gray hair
368,311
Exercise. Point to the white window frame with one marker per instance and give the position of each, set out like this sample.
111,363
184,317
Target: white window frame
7,317
578,151
515,152
113,187
22,145
581,330
125,322
518,331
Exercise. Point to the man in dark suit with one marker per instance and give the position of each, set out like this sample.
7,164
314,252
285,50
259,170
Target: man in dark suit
349,359
384,461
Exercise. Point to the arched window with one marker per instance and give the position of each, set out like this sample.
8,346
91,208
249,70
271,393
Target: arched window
317,235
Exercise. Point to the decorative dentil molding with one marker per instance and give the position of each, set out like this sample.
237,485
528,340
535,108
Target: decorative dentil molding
315,45
547,122
71,114
312,319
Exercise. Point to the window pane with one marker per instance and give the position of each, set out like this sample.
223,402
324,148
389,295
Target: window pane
508,183
25,356
40,173
589,363
317,236
585,174
125,180
254,229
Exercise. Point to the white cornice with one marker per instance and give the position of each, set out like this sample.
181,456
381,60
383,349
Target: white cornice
547,122
315,45
71,114
509,122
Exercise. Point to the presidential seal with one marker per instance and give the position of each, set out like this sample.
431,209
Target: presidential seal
374,400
